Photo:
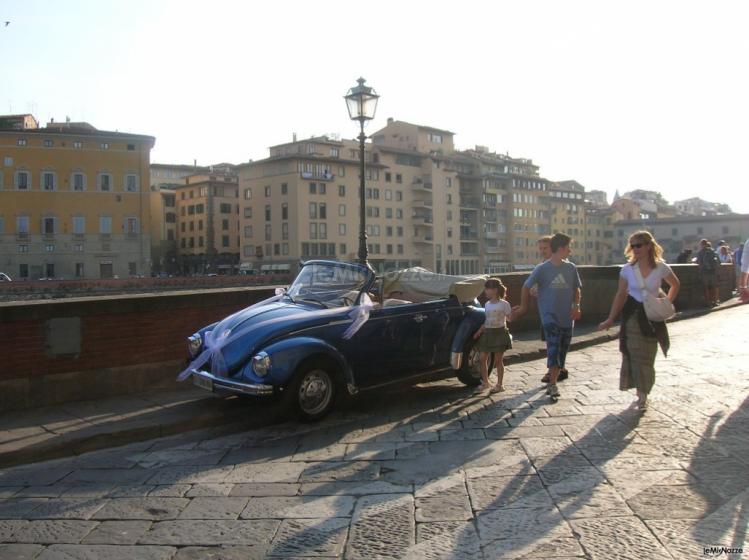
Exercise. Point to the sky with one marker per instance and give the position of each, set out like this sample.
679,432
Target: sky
616,95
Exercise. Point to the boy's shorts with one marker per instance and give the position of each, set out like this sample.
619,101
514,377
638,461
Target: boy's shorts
557,344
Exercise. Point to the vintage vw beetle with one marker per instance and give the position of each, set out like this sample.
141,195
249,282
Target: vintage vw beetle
340,328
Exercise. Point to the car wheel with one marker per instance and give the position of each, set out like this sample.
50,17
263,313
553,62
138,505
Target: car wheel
312,393
470,370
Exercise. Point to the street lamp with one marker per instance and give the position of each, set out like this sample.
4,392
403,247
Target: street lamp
361,102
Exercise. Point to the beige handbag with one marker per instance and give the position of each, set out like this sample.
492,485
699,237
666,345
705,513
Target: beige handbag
659,308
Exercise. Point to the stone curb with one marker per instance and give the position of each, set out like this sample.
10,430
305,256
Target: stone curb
227,419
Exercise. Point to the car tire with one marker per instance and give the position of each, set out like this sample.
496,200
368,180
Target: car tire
312,393
469,373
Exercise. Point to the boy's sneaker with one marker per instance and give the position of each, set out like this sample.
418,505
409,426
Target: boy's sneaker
553,391
563,374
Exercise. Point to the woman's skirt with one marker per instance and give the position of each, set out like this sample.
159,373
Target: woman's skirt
638,362
494,340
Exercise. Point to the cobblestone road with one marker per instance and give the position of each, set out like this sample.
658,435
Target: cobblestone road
432,471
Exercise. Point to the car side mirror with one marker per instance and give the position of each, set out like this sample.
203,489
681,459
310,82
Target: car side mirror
280,291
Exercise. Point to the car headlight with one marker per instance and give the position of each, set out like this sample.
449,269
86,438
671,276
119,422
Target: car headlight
194,343
261,364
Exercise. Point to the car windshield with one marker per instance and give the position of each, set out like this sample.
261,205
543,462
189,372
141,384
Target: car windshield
328,285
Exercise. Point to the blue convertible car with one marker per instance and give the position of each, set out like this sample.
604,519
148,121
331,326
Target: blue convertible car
340,328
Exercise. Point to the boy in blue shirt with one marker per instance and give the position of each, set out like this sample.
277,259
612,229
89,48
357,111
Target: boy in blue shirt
558,304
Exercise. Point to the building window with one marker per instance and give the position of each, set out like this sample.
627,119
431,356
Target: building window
398,178
131,226
200,225
105,225
225,208
191,210
199,208
79,182
48,143
284,249
224,240
104,146
48,181
23,248
224,225
23,179
79,225
285,230
333,152
248,194
341,190
49,248
323,211
276,249
284,211
341,209
131,183
268,232
49,226
389,213
267,212
22,225
284,189
267,191
22,142
323,231
313,188
105,182
341,229
313,210
388,177
78,145
248,212
399,213
313,230
248,251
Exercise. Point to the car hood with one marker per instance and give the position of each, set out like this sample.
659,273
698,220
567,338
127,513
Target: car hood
248,329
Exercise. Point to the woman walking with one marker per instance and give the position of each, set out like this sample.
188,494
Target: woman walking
640,337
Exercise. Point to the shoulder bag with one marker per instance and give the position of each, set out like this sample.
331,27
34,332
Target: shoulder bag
659,308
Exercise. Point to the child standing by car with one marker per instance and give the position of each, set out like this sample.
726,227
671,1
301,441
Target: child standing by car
493,337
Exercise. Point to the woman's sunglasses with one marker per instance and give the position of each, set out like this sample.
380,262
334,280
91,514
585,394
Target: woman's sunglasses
637,245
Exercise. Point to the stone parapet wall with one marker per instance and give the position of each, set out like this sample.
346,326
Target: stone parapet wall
83,348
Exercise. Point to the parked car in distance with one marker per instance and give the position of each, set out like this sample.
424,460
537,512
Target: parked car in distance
293,347
4,277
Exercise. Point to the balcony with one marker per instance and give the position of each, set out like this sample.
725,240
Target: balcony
493,235
325,176
421,203
495,249
423,239
423,183
422,220
470,202
22,236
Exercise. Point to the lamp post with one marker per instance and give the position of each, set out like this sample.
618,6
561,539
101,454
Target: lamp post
361,102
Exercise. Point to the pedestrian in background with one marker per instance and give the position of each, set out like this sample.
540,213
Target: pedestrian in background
639,337
707,270
724,254
744,278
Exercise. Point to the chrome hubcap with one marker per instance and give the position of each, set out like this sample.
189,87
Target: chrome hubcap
315,392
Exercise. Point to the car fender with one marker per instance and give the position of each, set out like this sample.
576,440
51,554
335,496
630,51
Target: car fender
472,321
286,355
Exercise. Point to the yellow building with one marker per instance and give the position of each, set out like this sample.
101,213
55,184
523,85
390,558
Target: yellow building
566,200
73,201
207,214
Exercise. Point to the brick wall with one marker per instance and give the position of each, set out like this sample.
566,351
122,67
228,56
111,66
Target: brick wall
77,348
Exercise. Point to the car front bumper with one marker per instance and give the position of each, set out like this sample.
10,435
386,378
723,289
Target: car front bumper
210,382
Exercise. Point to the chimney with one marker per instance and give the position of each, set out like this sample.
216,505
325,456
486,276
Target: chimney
390,120
293,136
195,164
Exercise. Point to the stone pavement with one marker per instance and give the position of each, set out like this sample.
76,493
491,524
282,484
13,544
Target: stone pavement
432,471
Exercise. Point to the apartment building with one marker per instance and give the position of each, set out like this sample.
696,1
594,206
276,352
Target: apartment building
207,213
73,201
567,214
427,204
163,224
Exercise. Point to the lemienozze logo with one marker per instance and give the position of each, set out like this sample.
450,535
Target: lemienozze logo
720,550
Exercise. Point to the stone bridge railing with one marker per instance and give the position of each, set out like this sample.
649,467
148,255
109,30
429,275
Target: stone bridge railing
84,348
